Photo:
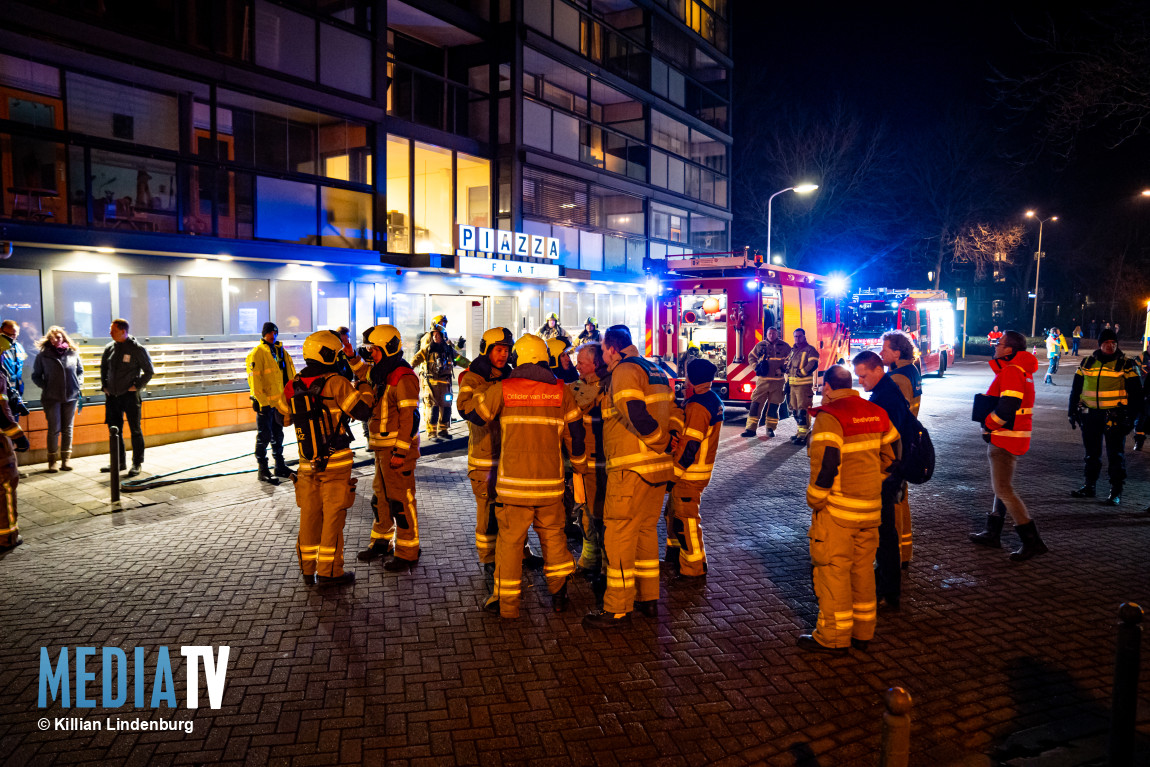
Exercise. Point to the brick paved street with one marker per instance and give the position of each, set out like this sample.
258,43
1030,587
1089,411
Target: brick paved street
405,669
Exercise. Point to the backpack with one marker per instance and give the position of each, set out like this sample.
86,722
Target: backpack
319,434
917,464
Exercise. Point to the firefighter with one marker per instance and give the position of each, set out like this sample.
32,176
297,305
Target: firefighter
537,420
802,363
436,360
637,415
769,359
590,332
12,441
1105,398
694,460
319,402
897,354
852,448
270,368
492,365
1143,362
588,390
552,329
561,364
393,435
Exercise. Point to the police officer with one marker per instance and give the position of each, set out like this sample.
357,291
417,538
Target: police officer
802,363
588,390
269,368
1105,398
12,441
694,460
319,402
636,432
897,354
436,359
538,419
393,435
769,359
552,329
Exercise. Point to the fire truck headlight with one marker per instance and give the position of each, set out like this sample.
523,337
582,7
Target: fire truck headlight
652,286
837,285
753,285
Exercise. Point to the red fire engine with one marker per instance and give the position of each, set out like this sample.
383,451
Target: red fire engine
927,316
717,305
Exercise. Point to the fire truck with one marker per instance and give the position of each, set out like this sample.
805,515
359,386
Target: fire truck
927,316
716,306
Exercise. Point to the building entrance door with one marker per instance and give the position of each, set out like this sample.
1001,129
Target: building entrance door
465,318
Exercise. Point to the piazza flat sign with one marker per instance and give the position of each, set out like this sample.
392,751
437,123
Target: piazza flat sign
499,242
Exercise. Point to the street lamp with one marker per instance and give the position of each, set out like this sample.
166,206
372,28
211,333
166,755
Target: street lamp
800,189
1038,269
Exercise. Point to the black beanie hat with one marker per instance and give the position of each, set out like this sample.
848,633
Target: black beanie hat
1107,335
269,327
700,371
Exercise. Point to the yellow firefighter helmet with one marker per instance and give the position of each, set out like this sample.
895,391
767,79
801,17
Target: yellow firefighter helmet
439,322
496,337
552,316
556,347
323,346
387,338
531,348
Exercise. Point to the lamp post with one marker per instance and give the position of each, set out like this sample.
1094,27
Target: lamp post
800,189
1038,268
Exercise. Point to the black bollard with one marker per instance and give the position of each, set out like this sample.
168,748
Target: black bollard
1124,706
114,461
896,729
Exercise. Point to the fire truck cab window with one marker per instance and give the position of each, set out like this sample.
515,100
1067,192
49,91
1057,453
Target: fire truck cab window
703,328
909,321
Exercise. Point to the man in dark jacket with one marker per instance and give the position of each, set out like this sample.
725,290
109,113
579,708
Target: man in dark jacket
125,370
885,393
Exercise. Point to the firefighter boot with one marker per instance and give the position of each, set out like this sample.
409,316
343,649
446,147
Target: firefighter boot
531,560
992,535
650,608
398,565
808,642
1032,544
1086,491
559,601
338,580
1115,496
265,475
281,469
489,579
380,547
605,620
753,416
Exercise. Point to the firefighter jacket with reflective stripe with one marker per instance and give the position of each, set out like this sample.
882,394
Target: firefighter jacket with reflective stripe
802,364
906,375
1010,423
395,416
483,438
589,393
340,398
637,419
537,420
775,355
851,449
1103,382
269,370
699,440
438,361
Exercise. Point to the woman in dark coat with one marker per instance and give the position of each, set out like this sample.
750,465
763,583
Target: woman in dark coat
59,375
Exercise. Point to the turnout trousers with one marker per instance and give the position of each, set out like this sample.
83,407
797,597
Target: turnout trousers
631,540
684,530
595,483
486,522
768,395
9,479
396,518
323,499
902,524
558,564
802,399
437,406
842,559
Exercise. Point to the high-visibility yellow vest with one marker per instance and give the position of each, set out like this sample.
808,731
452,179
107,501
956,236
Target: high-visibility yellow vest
1104,383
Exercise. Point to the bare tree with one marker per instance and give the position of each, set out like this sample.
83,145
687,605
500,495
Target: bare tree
988,246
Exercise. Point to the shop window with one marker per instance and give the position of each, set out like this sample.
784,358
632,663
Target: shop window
591,251
503,312
293,306
333,305
398,195
285,210
20,302
529,316
32,180
83,303
146,303
473,190
635,320
122,112
433,219
29,76
346,219
345,60
285,41
199,306
127,192
248,302
636,252
409,310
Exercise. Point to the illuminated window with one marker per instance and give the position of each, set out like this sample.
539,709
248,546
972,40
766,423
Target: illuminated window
432,175
473,195
398,191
